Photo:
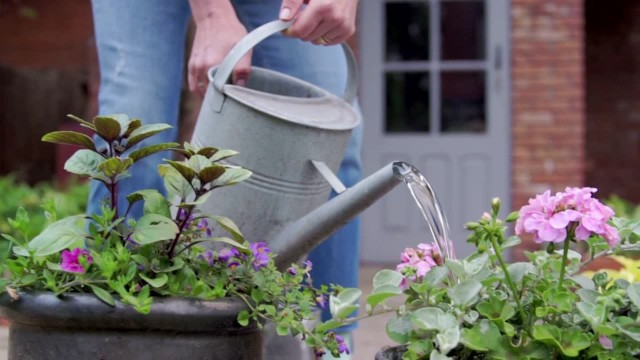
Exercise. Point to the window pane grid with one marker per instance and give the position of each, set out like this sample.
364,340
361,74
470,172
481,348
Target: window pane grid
434,44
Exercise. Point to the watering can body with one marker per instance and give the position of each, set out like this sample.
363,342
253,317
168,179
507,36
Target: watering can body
279,125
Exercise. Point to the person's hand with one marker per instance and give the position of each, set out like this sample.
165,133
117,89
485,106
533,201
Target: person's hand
213,39
323,22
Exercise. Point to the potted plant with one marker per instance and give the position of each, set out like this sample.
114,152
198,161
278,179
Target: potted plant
483,307
109,286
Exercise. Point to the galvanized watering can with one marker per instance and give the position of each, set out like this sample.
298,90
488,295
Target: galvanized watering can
292,135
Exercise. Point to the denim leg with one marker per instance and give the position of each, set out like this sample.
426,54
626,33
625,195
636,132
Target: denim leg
336,261
141,55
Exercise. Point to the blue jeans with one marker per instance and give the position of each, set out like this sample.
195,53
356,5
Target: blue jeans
141,53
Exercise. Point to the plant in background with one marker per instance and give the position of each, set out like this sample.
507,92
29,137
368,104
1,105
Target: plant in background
482,307
163,252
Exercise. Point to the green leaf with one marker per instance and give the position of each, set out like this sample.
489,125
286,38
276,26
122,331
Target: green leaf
115,166
436,275
448,339
519,270
177,265
560,299
511,242
282,330
431,318
154,202
211,173
476,264
158,282
20,251
207,151
28,279
228,241
144,132
84,162
107,127
344,303
595,314
221,154
382,293
231,177
69,138
634,293
175,184
387,277
152,228
140,260
399,330
85,123
465,293
349,295
184,170
243,318
570,341
328,325
230,227
60,235
133,124
103,295
198,163
483,336
152,149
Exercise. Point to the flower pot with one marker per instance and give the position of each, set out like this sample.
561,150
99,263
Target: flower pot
44,326
390,353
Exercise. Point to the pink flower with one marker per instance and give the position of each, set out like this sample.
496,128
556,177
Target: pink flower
548,217
605,342
71,260
416,263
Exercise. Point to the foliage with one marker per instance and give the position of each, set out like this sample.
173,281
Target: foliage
482,307
170,250
71,200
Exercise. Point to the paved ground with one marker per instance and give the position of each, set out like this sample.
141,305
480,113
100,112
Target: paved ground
369,337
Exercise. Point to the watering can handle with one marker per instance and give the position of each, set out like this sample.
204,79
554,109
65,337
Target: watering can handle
223,72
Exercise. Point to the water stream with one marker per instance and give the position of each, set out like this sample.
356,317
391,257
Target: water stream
429,206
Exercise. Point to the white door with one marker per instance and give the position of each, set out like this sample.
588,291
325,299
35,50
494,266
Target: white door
435,93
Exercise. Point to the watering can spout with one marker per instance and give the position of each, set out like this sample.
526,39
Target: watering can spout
300,237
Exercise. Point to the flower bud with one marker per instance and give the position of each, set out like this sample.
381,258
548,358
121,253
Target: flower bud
513,217
495,205
472,225
551,248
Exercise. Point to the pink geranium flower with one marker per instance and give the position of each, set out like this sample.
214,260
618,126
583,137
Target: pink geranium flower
416,263
549,218
71,260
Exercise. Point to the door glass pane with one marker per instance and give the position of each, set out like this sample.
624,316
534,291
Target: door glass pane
407,31
463,101
407,102
462,30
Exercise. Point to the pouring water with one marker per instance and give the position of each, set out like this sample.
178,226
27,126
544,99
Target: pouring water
429,206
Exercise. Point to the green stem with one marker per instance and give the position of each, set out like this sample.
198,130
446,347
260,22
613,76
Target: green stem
507,276
565,256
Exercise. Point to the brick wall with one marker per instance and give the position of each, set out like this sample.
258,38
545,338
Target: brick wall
613,97
548,96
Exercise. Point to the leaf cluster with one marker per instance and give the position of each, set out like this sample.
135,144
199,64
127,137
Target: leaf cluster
482,307
173,249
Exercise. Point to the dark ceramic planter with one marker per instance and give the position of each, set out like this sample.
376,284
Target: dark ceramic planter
391,353
81,326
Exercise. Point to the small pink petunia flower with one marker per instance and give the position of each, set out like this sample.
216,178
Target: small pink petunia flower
71,260
605,342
